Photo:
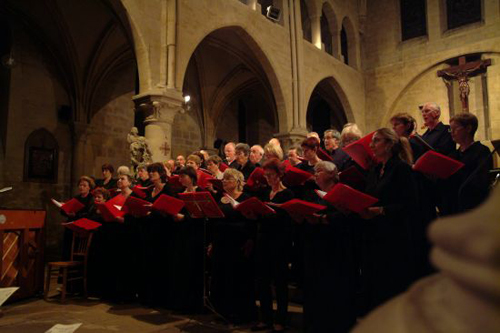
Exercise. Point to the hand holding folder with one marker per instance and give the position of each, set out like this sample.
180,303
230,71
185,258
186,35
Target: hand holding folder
109,211
136,207
71,207
299,207
168,205
253,207
82,225
345,197
361,152
437,165
201,204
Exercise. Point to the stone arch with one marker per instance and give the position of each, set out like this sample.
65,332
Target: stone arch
264,61
140,47
328,92
422,78
352,42
329,14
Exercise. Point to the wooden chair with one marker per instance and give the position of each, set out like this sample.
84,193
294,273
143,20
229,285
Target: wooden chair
75,269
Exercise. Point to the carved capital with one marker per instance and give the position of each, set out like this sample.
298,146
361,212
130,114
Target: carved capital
158,108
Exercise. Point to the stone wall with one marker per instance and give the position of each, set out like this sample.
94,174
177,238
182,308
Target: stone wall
401,75
35,96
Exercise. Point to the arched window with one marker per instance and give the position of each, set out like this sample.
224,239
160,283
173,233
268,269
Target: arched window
326,35
306,21
462,12
344,46
413,18
41,156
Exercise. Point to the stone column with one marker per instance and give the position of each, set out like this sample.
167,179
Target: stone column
159,111
293,138
79,137
316,30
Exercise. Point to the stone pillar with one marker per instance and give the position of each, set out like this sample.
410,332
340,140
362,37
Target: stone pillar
253,4
293,138
79,137
316,30
159,111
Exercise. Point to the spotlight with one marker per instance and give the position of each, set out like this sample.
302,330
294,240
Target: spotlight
187,98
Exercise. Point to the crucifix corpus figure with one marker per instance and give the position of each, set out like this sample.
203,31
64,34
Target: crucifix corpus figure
461,73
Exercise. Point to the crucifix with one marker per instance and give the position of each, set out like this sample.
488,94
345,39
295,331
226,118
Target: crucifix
165,149
461,73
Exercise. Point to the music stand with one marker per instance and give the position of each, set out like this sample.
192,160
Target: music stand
203,205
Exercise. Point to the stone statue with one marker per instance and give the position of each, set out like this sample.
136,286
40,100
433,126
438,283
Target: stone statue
465,295
139,150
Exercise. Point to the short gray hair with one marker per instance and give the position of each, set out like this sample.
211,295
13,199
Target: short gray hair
330,168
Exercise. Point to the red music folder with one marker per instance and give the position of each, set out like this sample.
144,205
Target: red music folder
322,154
136,207
287,164
168,205
82,225
174,182
346,197
203,178
361,152
256,178
201,204
351,176
217,183
72,206
109,212
299,207
119,200
254,206
223,166
295,176
436,164
140,191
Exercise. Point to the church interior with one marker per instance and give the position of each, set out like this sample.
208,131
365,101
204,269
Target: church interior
76,76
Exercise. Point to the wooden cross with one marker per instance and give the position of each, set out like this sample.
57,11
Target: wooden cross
165,148
461,73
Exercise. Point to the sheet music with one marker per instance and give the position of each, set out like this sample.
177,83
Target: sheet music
320,193
60,328
57,203
118,207
6,189
5,293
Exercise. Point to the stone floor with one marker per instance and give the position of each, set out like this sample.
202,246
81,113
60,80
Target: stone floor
36,315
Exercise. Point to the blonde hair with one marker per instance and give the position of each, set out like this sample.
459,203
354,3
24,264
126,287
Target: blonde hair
238,176
400,145
350,133
276,151
195,158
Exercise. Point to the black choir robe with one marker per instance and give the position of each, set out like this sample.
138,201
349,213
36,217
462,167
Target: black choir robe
232,279
388,259
440,139
469,187
272,255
